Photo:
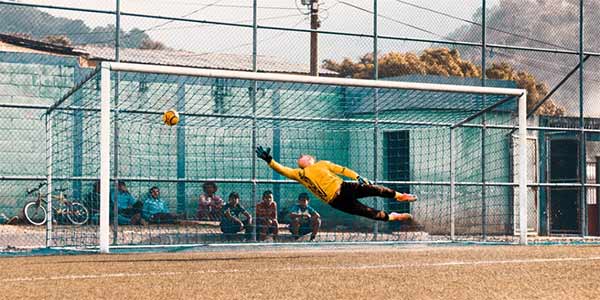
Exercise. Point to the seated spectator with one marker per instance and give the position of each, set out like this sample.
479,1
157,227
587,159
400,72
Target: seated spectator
92,202
210,205
304,219
4,219
92,199
130,209
266,217
156,210
231,221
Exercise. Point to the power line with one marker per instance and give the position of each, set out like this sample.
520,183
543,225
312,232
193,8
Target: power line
156,27
246,44
448,15
498,51
478,24
203,25
232,5
81,33
394,20
160,29
186,15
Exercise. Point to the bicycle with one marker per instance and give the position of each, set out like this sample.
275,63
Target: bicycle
35,211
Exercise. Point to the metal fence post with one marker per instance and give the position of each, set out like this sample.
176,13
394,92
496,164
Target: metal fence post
104,157
182,207
583,159
49,150
452,184
597,195
253,101
523,161
116,126
483,129
379,203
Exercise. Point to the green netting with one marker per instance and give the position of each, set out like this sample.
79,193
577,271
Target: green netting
75,160
399,138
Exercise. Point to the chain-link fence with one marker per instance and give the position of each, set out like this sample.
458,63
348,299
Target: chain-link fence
48,48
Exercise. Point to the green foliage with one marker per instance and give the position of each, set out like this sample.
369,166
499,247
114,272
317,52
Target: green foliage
535,90
444,62
433,61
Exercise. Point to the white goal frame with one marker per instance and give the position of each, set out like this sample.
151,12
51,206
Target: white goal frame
105,119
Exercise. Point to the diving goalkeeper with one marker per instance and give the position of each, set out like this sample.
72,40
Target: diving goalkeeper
321,178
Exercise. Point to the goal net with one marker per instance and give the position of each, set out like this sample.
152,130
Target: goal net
459,148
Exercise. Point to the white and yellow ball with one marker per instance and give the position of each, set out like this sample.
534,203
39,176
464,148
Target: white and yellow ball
171,117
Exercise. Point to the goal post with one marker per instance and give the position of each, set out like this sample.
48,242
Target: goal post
523,168
449,168
105,130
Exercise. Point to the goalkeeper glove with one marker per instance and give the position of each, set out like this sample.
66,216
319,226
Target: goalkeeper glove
264,154
363,181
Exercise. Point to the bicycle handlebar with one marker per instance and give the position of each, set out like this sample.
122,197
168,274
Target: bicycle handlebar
29,192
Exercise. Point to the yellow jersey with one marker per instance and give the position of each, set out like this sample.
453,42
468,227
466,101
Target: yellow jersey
320,178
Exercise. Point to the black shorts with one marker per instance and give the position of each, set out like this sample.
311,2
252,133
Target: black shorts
350,192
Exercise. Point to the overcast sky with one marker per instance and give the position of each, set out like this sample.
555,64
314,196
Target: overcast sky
337,15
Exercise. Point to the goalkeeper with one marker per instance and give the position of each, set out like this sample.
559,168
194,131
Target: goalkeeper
320,177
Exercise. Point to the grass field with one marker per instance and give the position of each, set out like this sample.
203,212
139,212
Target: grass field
349,272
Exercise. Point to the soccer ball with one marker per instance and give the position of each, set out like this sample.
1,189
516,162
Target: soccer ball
170,117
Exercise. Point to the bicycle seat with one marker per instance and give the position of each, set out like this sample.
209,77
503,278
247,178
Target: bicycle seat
60,189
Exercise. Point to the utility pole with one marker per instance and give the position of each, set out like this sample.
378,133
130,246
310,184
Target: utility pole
314,47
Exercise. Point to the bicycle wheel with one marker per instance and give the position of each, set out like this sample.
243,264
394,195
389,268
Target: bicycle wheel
77,213
35,213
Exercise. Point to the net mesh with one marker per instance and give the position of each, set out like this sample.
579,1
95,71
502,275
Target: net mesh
75,160
397,138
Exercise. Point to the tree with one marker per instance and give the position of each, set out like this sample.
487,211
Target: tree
152,45
57,40
433,61
535,90
443,62
33,23
542,24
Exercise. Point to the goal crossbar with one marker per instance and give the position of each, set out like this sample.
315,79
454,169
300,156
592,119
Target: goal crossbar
368,83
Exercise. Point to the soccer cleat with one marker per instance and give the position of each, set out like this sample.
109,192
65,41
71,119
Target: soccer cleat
401,197
394,216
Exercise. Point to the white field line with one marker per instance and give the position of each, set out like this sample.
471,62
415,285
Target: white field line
289,269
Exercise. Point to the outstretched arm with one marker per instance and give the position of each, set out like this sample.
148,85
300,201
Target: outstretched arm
337,169
285,171
265,155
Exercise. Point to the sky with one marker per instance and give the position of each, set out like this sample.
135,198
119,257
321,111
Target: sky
337,15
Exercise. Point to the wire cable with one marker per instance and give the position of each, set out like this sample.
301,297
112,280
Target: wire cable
479,24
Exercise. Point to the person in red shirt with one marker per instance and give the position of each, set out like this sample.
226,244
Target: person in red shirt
266,217
209,204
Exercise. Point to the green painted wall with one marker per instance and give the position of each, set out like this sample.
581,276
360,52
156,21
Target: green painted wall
33,80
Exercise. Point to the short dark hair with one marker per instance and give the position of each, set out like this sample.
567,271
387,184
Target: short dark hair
234,195
209,183
303,196
154,187
267,192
